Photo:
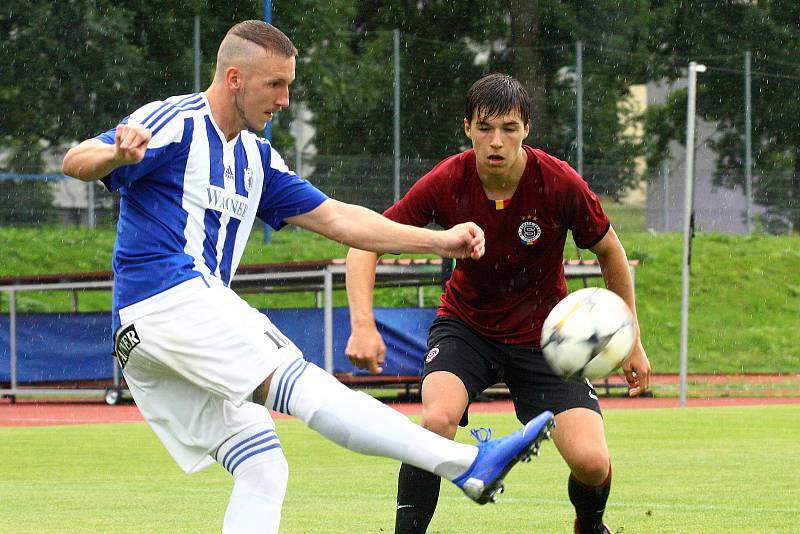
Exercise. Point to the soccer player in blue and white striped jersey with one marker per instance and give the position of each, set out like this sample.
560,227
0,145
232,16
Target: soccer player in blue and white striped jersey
201,364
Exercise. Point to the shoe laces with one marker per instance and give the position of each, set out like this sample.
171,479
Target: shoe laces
482,434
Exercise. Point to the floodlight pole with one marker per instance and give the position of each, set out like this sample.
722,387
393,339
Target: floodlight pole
268,20
688,214
579,107
748,141
197,53
268,127
396,114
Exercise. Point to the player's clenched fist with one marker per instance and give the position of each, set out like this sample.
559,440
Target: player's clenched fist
365,349
465,240
130,143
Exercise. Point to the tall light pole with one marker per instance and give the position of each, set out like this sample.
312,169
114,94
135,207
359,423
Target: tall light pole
396,114
268,127
268,20
748,142
197,53
579,107
688,224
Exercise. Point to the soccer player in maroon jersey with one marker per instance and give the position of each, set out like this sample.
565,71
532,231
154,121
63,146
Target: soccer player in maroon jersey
490,318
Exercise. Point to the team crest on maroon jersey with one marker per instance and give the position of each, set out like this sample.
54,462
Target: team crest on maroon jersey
529,232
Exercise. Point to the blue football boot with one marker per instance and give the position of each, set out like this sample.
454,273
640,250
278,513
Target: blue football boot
484,478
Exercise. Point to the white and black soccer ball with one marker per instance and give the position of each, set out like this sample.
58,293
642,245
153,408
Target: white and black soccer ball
589,334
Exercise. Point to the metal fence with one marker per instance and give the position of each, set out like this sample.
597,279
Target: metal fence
35,200
54,199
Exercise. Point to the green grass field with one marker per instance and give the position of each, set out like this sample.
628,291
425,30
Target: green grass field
698,470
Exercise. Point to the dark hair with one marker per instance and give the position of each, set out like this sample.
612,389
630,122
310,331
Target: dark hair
265,35
495,95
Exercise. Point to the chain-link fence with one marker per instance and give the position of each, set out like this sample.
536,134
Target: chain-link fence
33,200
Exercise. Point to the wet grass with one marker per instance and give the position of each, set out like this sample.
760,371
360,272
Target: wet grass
700,470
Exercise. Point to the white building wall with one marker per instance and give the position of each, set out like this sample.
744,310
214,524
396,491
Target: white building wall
717,209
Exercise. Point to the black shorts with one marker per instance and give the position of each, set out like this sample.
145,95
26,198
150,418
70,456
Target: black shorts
481,363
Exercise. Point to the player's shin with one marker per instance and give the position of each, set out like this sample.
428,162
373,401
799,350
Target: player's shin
417,496
360,423
589,503
260,473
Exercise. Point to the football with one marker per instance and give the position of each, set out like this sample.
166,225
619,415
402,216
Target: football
589,334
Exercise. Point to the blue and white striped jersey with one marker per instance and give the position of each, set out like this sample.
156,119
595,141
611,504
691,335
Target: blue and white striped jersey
187,208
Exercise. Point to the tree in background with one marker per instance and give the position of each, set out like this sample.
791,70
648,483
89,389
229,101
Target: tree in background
446,46
77,67
349,80
718,34
541,52
71,70
64,67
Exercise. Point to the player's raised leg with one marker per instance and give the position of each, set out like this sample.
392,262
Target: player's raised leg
362,424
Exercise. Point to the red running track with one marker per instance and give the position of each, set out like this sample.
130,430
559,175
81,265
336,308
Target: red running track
27,412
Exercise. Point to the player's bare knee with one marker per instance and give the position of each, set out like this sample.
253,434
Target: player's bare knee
440,423
591,468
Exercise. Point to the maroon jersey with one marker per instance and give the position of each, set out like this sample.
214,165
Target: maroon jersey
507,294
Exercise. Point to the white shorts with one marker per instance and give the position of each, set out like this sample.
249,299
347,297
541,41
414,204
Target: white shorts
196,356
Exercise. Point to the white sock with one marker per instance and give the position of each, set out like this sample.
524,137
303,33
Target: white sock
260,473
361,423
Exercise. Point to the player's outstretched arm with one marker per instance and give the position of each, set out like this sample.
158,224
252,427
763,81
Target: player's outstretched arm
93,159
617,275
365,347
362,228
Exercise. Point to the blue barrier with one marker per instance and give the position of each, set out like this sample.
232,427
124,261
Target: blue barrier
67,347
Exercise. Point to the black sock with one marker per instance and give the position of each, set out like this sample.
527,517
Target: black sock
589,503
417,495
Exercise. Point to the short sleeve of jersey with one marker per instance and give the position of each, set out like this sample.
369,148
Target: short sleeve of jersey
418,206
285,194
166,137
580,208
